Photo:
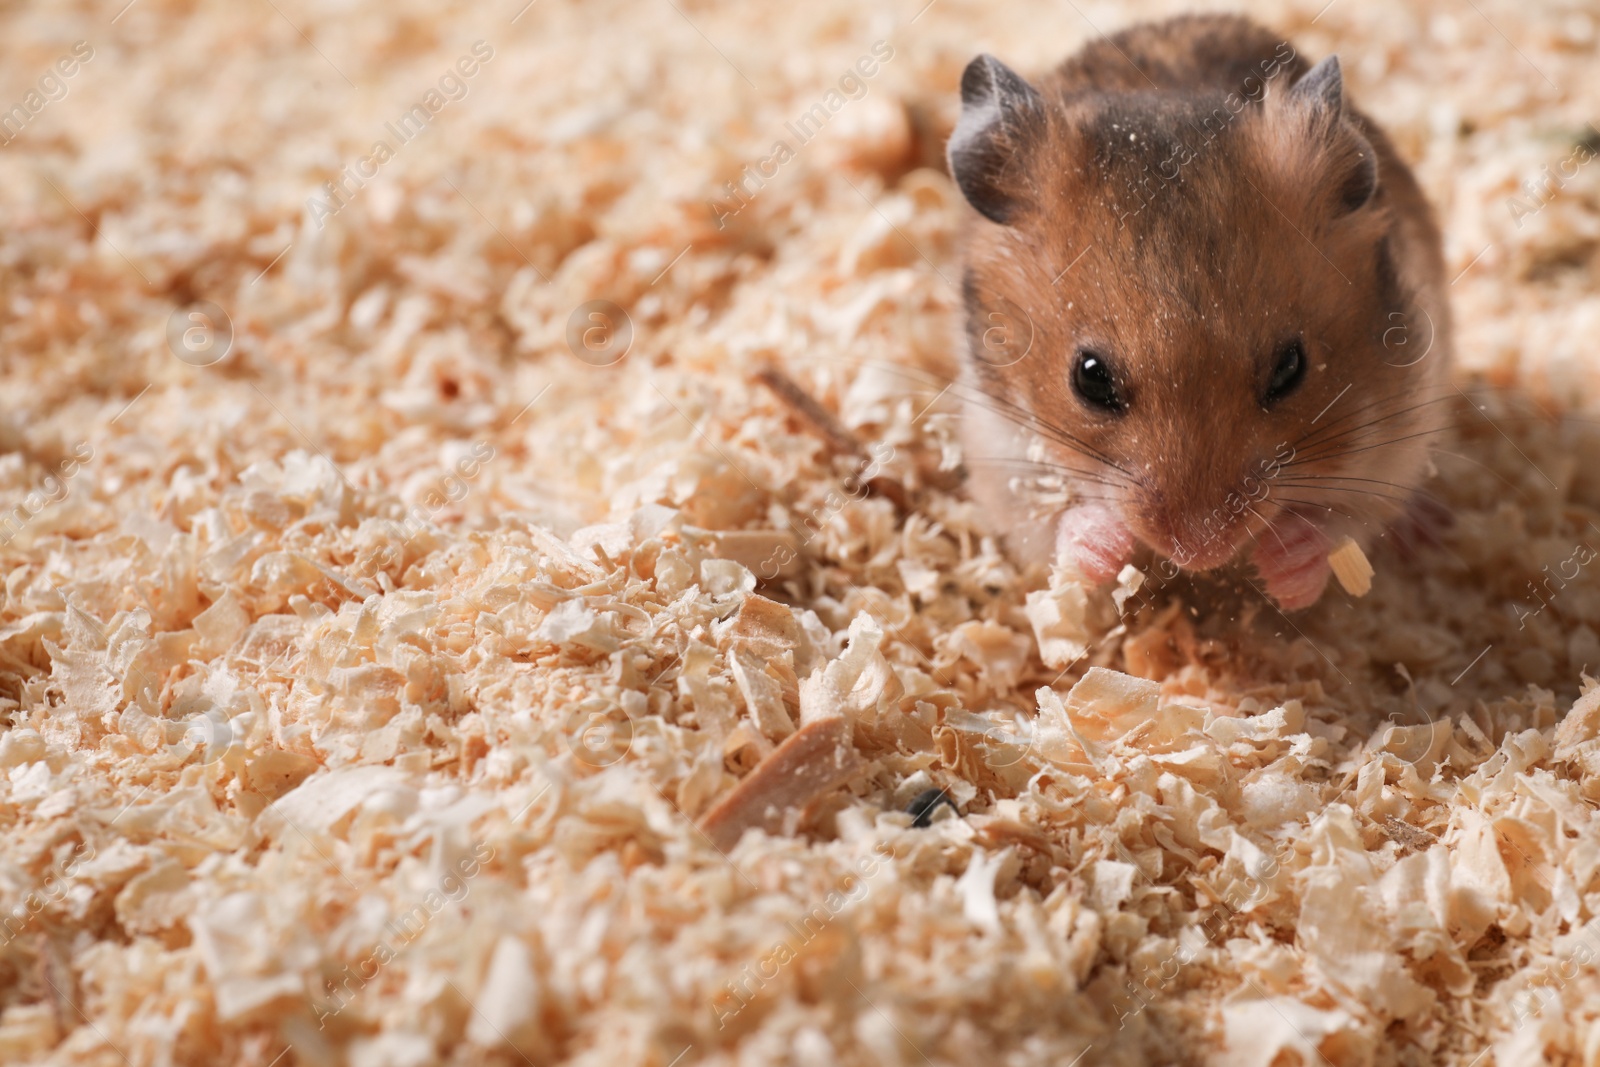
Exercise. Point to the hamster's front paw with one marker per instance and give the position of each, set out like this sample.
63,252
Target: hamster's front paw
1421,526
1095,540
1292,559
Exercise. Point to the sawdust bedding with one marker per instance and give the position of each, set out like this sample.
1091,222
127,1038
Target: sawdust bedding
399,688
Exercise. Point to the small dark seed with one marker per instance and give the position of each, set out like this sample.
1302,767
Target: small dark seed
921,808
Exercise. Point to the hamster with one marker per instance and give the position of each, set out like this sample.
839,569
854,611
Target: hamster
1205,308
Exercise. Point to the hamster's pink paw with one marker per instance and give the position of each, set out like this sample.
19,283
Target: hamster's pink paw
1095,540
1293,563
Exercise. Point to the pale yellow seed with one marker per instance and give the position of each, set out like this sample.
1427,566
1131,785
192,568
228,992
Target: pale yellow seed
1350,566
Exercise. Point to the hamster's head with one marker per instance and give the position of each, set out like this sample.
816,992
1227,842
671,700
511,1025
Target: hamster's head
1200,301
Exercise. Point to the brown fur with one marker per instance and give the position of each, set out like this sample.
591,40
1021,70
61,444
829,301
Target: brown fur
1190,285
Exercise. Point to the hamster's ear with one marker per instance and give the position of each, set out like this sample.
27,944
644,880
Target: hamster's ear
998,111
1321,87
1318,98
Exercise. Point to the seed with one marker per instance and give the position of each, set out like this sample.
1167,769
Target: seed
921,808
1350,566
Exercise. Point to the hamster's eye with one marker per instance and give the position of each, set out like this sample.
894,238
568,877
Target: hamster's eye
1288,370
1093,382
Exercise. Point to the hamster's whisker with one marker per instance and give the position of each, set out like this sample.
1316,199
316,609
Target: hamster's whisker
1445,392
1029,464
901,369
1030,421
1270,526
1445,395
1008,410
1324,457
1326,440
1344,489
1308,476
1513,486
1318,439
1529,411
1319,505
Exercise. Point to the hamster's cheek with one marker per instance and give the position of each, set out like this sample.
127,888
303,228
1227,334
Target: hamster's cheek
1095,540
1294,567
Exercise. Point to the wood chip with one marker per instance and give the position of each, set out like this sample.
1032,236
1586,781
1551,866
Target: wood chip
369,695
1351,567
815,759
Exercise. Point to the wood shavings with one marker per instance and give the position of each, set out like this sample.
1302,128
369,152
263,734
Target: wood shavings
763,695
1061,623
769,554
817,417
816,758
382,693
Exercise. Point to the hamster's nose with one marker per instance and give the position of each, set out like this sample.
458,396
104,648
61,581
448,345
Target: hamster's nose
1205,549
1199,531
1195,538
